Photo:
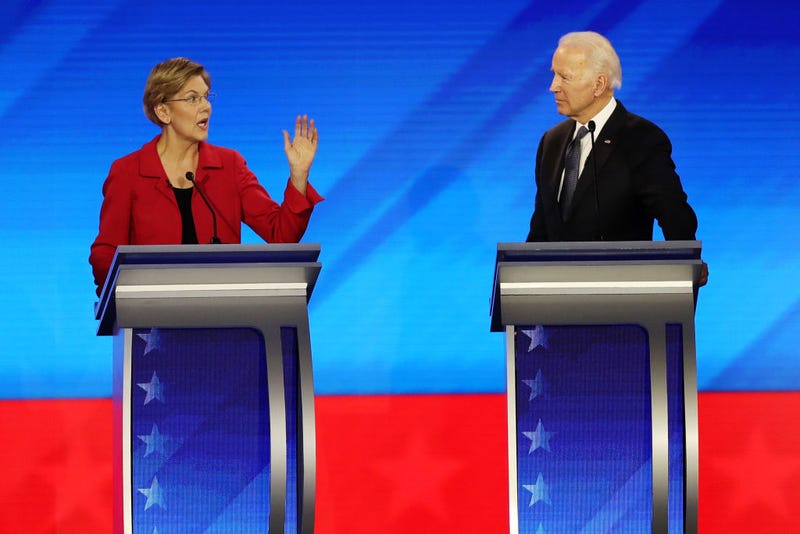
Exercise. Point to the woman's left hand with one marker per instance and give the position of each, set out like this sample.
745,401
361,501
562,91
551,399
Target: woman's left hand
301,150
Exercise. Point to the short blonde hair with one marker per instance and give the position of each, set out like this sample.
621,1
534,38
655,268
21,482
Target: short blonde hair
166,79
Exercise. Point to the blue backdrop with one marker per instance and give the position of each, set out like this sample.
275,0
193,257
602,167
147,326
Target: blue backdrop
429,115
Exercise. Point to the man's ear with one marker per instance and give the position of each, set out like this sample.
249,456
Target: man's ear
600,84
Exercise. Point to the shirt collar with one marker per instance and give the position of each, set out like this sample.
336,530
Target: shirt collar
600,119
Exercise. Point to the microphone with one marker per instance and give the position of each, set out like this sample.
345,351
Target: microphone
591,126
214,239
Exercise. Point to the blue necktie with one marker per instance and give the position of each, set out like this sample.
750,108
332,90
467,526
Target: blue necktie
572,163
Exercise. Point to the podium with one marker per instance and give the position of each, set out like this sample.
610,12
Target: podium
212,387
601,384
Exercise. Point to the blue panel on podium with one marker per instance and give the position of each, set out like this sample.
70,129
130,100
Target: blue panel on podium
200,437
584,450
583,429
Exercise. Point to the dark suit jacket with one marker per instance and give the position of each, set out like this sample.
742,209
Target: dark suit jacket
139,207
636,184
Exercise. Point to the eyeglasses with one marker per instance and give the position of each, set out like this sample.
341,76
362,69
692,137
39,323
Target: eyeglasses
194,100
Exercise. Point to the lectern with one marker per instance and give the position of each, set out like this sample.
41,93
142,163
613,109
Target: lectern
601,382
212,387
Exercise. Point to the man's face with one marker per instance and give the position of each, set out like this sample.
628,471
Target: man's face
573,86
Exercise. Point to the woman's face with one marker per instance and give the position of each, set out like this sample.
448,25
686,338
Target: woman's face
188,112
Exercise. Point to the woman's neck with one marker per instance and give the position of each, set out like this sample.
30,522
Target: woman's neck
177,157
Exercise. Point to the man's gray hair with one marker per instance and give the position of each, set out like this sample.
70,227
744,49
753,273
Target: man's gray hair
600,55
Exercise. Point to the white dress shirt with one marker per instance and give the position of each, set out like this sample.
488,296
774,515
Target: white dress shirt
600,120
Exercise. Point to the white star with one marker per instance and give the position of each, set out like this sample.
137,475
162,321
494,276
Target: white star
152,340
538,491
154,495
537,386
155,441
154,389
537,336
540,530
540,439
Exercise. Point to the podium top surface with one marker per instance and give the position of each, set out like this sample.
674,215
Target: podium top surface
201,256
605,251
586,262
194,254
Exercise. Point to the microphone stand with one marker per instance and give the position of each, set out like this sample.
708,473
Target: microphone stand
214,238
591,126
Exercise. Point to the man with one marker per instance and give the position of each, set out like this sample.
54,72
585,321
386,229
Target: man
626,181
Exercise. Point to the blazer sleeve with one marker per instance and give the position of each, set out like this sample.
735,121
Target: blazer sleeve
659,186
275,223
115,220
538,227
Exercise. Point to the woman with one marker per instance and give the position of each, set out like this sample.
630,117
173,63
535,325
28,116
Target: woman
148,197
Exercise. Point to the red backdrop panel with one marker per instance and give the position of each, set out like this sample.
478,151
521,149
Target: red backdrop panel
415,464
400,464
55,459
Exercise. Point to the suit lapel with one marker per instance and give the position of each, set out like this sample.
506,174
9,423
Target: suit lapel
150,167
553,157
607,141
207,160
604,145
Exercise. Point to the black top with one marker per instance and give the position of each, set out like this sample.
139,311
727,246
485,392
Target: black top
188,232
